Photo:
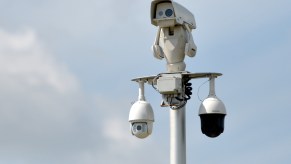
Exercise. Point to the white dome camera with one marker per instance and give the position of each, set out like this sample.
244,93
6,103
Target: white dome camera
166,13
212,113
141,116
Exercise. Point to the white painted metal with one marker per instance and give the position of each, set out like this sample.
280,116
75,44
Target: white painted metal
152,79
178,136
141,111
169,85
141,96
211,86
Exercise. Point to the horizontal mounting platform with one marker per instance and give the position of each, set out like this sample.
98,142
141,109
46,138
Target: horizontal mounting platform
153,79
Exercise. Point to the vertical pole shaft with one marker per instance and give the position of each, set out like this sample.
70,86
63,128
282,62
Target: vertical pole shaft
177,136
211,86
141,96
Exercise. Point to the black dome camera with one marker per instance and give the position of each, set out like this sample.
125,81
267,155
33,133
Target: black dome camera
212,113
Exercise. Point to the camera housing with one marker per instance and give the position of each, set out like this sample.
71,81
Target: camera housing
174,39
212,113
166,13
141,118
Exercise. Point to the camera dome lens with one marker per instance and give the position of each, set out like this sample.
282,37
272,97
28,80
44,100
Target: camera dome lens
212,125
138,127
169,12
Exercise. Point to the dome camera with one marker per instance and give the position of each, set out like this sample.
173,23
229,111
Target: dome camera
212,113
141,118
141,115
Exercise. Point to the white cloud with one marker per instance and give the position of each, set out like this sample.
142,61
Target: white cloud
113,129
40,100
45,116
24,62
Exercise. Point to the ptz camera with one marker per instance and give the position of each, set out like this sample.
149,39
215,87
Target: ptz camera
212,113
141,118
174,39
141,115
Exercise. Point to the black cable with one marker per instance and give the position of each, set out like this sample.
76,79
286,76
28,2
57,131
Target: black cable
188,92
180,106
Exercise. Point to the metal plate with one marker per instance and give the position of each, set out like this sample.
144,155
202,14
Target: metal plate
147,79
201,75
153,78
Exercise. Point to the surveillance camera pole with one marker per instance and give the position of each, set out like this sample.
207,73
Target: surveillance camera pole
178,136
173,42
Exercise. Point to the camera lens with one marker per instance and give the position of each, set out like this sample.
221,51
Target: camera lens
169,12
138,127
160,13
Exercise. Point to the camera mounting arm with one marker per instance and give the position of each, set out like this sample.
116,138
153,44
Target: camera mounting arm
153,79
190,47
156,48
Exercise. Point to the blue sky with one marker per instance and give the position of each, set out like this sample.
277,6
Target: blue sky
65,89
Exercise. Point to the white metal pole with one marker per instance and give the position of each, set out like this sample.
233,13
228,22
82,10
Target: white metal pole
178,136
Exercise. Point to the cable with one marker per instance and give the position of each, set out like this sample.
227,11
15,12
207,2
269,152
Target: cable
178,107
187,91
159,75
199,90
186,97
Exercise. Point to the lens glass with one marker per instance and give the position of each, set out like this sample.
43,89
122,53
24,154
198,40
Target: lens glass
169,12
160,13
138,127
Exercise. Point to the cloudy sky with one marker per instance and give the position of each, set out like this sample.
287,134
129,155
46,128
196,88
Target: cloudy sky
65,89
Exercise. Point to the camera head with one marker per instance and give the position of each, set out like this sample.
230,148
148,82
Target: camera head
212,113
166,13
141,118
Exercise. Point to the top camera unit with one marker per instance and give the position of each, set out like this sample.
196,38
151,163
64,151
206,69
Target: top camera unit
166,13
